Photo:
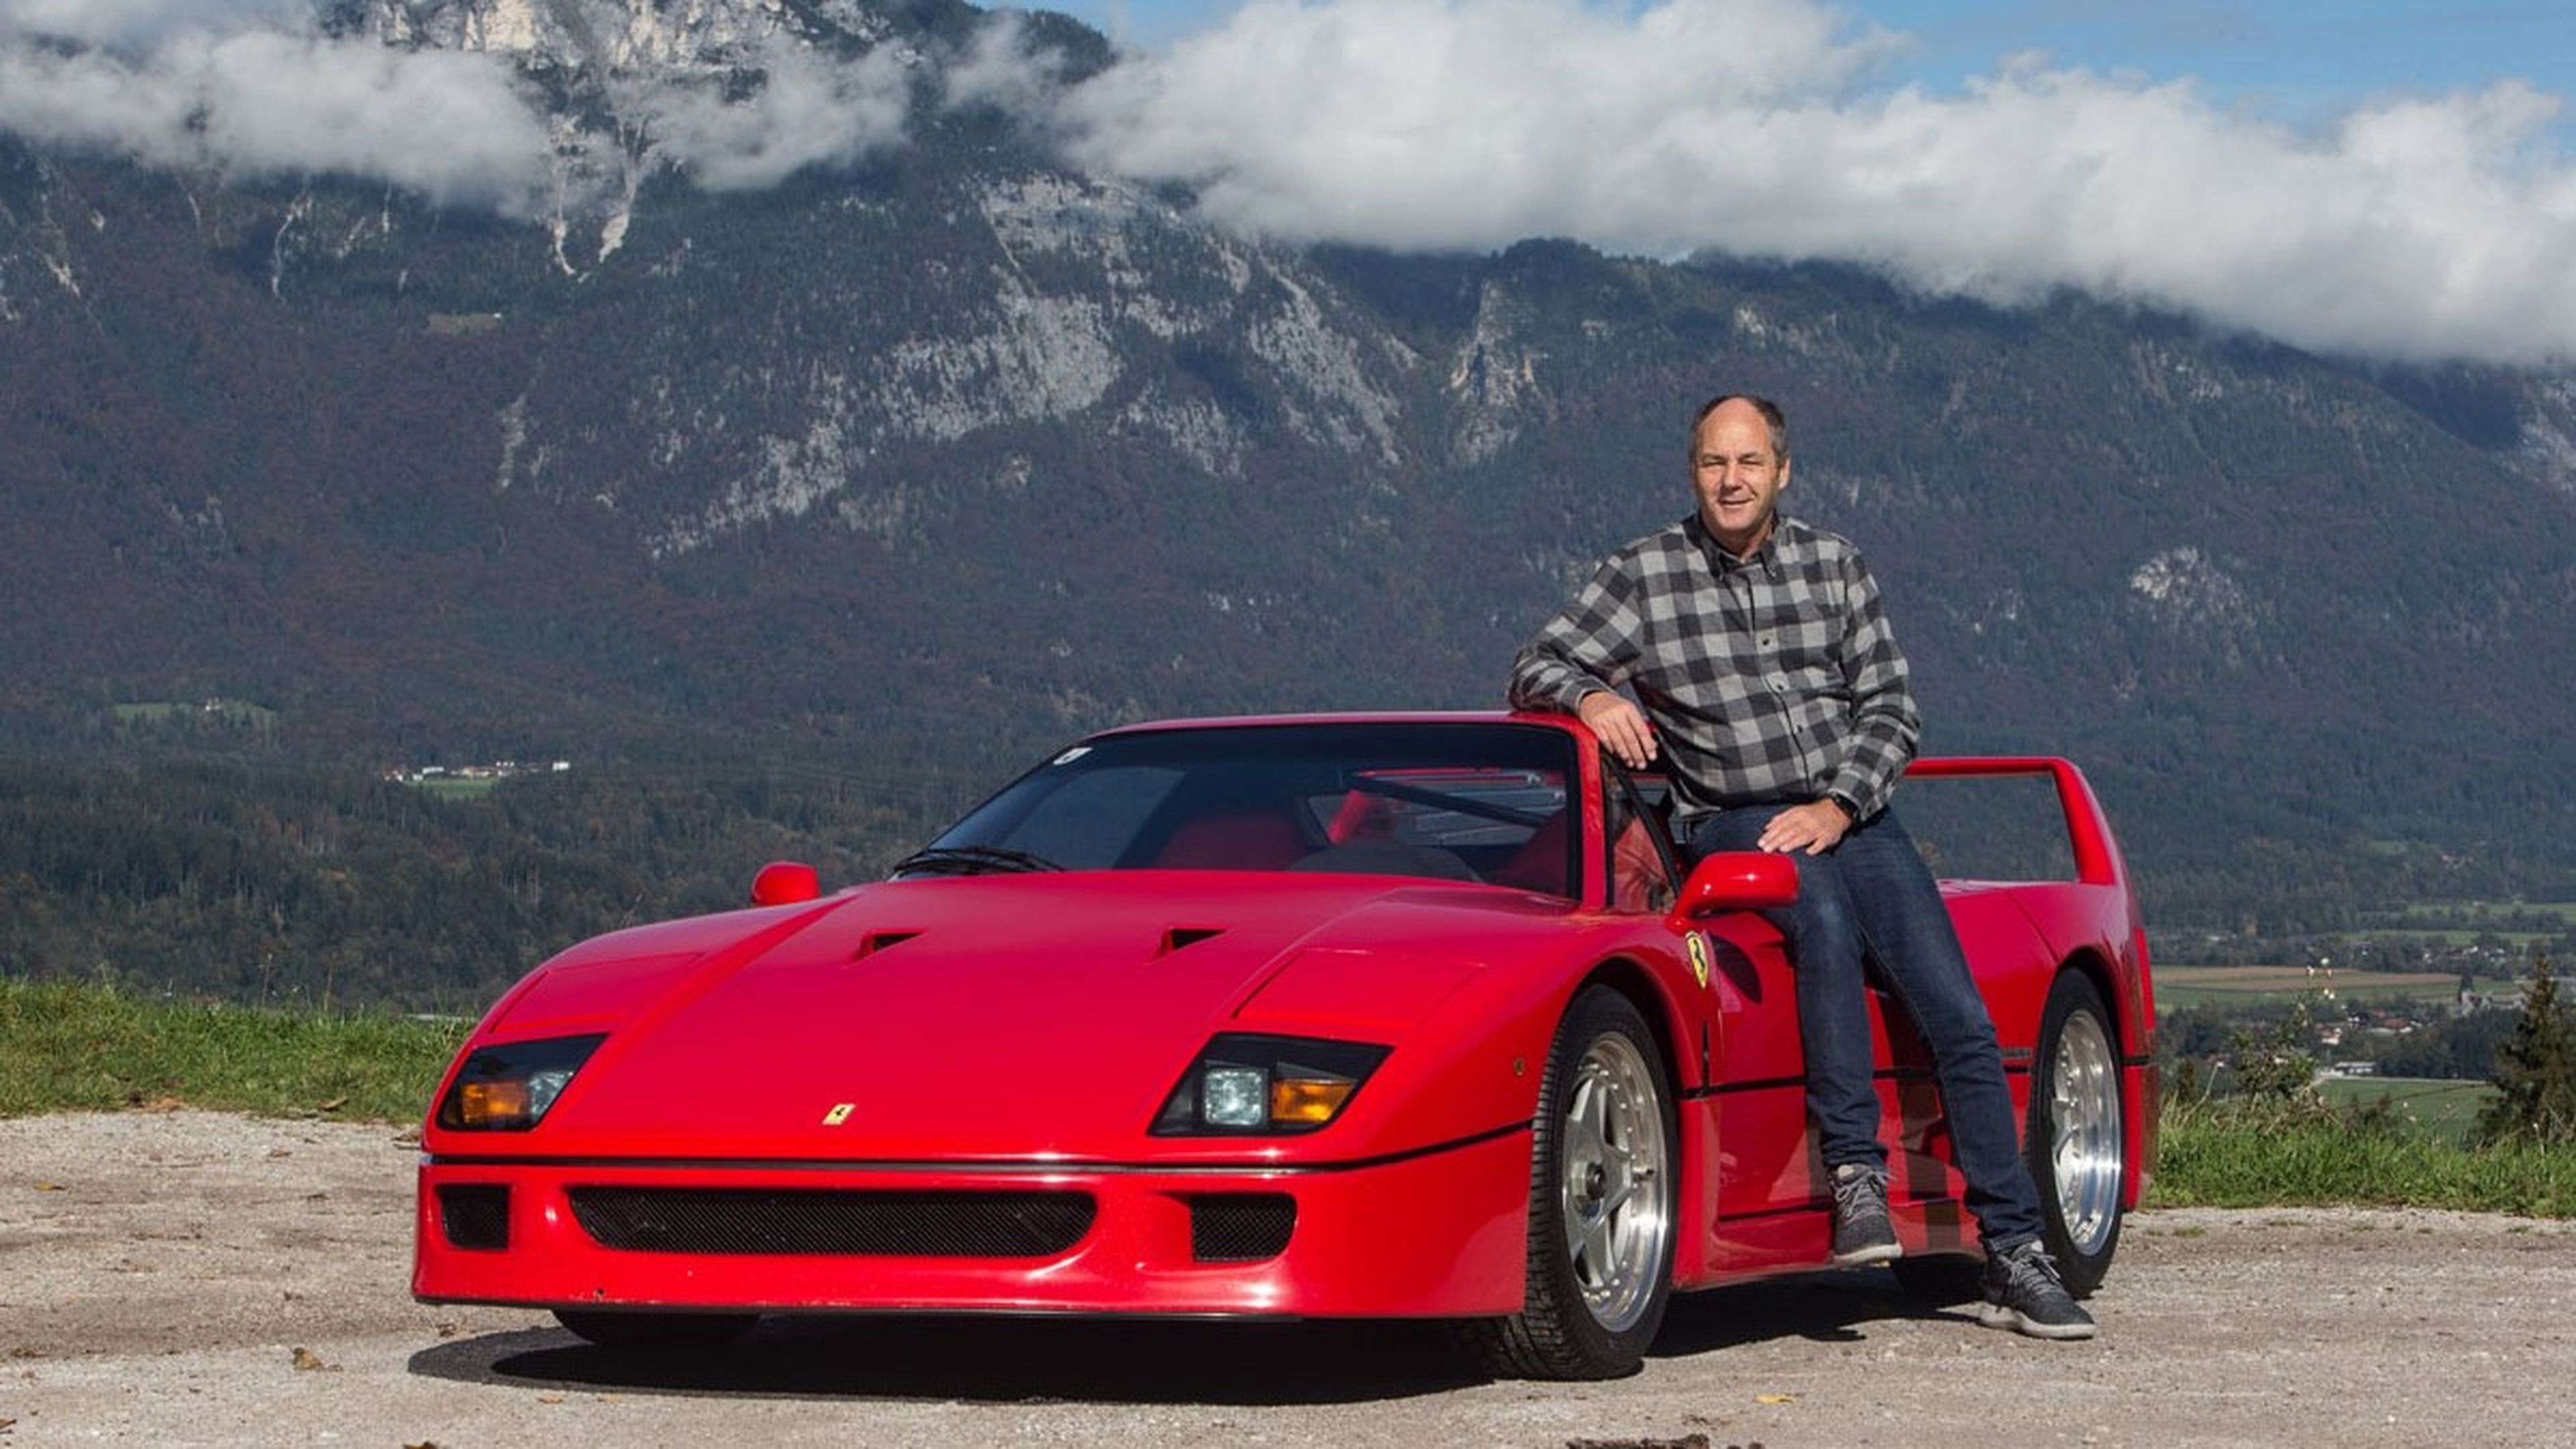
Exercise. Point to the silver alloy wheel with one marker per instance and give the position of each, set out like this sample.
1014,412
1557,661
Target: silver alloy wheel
2084,1093
1613,1186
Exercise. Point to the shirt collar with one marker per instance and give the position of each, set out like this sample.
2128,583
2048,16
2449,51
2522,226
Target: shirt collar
1765,558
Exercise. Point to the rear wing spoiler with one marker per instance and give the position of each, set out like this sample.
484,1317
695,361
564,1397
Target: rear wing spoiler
2088,829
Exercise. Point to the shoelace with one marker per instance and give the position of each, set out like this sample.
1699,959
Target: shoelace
2033,1262
1855,1190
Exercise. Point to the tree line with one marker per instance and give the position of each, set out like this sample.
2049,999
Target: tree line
246,877
327,887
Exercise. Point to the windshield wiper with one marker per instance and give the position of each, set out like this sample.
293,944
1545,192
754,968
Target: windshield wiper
971,860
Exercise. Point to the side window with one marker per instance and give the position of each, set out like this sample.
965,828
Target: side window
1506,825
1642,873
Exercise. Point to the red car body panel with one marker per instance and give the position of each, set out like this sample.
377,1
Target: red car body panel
1019,1033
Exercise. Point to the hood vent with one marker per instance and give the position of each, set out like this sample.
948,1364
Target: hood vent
875,941
1182,937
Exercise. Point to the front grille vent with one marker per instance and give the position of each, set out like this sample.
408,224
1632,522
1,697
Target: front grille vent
1241,1227
833,1222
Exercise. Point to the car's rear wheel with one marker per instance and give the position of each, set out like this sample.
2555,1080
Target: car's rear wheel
615,1328
1600,1268
2077,1139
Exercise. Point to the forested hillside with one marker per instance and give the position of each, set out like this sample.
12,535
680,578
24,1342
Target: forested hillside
264,884
855,493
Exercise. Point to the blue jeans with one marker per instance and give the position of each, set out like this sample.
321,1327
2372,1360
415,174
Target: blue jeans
1872,898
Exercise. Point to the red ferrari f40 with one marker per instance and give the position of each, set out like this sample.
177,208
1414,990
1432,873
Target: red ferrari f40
1389,1016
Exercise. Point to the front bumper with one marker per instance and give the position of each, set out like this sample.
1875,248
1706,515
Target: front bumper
1439,1233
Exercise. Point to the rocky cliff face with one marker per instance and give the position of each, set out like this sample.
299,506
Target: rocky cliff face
619,36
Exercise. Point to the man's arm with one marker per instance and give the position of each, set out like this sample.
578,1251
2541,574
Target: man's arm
1886,724
1579,657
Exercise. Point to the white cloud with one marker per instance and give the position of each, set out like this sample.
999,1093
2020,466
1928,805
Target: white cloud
130,22
252,88
2427,228
809,111
449,126
249,99
997,68
2423,228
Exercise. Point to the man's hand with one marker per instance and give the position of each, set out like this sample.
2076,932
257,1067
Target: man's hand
1622,726
1815,828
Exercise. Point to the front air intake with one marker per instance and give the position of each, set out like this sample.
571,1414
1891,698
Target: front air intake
1241,1227
475,1215
833,1222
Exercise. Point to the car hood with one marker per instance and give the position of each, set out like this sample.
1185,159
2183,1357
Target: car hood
982,1017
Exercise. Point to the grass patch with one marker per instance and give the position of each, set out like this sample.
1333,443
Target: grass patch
2232,1153
88,1048
2438,1107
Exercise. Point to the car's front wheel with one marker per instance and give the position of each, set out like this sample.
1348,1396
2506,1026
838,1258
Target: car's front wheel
1601,1211
2077,1138
615,1328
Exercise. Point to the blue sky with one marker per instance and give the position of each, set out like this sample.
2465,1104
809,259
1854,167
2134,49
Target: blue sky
2299,59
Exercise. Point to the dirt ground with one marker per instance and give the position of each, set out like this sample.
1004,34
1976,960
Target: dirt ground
186,1278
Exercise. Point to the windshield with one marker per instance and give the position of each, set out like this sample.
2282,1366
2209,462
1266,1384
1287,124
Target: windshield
1465,802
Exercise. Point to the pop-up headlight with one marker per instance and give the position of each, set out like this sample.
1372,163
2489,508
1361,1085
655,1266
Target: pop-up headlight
1266,1084
508,1088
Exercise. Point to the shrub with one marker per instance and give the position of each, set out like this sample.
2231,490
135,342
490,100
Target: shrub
2535,1075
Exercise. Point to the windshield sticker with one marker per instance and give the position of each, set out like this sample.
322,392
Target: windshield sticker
1071,755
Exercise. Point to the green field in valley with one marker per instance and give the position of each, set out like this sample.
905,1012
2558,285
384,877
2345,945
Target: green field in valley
2563,912
458,787
2520,925
212,711
2246,985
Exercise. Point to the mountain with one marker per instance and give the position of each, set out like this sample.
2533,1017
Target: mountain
925,452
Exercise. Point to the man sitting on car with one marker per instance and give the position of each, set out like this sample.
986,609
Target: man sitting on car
1775,693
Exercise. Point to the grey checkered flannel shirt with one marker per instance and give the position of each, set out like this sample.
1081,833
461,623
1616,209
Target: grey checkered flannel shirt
1773,680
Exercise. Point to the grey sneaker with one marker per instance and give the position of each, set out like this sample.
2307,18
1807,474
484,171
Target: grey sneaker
1862,1231
2024,1294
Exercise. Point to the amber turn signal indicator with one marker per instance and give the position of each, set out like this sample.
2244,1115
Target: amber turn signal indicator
494,1104
1308,1100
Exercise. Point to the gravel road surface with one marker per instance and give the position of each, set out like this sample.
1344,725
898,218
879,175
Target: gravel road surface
175,1278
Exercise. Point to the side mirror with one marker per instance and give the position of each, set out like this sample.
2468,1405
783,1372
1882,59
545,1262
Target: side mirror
785,883
1735,880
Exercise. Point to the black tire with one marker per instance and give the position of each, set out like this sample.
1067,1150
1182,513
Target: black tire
617,1328
2077,1143
1600,1268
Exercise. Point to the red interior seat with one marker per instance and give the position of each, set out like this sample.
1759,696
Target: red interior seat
1539,863
1244,840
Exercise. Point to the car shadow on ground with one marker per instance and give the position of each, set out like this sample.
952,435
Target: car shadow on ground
1827,1306
990,1360
1125,1361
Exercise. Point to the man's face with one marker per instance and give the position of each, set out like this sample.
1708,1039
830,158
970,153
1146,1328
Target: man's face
1736,476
